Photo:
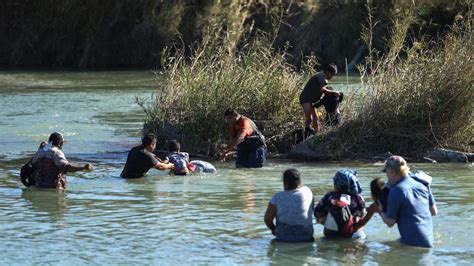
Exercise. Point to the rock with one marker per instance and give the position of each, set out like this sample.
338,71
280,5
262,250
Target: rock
304,150
445,155
429,160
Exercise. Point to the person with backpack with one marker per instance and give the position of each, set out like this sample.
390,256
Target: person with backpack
50,165
341,210
246,138
410,203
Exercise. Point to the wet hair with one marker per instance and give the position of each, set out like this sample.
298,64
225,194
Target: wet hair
291,179
331,68
174,145
148,139
56,138
230,112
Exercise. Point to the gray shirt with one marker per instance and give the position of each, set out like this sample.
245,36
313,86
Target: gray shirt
294,213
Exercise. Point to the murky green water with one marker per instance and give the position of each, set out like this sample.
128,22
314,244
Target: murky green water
161,219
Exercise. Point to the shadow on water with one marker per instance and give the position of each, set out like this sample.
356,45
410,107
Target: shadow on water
48,201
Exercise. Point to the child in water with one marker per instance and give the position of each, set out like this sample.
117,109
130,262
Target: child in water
379,191
178,158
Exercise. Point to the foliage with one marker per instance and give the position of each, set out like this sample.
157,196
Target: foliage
195,92
419,95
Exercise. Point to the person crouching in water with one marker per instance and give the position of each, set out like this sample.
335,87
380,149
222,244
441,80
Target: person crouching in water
331,103
246,138
178,158
292,209
52,165
342,209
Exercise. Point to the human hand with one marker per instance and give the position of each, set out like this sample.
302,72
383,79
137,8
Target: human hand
273,232
42,144
88,167
373,208
379,207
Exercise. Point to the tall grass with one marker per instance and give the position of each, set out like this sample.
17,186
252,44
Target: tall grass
254,79
419,96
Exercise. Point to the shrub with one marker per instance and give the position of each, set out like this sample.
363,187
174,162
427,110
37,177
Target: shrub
194,92
419,96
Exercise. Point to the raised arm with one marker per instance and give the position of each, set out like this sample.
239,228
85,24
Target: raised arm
76,168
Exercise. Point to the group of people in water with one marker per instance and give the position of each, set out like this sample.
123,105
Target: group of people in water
406,199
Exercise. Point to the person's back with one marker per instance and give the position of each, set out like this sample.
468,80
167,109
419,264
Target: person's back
343,222
51,166
139,161
294,214
342,209
409,203
180,161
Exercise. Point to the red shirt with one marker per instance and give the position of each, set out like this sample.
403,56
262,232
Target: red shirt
242,125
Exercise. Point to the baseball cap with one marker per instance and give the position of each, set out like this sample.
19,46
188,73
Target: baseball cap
394,162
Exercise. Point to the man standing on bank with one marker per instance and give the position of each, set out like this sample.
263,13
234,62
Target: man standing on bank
249,141
410,205
141,159
312,92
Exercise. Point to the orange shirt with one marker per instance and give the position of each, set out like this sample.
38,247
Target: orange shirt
242,125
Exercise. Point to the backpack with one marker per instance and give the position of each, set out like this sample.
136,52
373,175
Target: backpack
339,219
26,173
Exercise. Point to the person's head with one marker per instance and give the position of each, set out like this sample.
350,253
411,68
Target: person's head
291,179
174,145
149,142
56,139
376,187
346,181
231,115
330,71
395,168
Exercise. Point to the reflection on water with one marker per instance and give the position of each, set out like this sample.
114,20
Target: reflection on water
162,219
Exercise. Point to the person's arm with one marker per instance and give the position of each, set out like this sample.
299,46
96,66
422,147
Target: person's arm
164,166
326,91
233,142
321,210
389,222
76,168
432,202
270,215
371,210
395,200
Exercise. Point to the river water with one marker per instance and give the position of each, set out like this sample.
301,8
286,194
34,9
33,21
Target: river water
162,219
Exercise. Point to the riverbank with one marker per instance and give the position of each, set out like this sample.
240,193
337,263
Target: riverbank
133,34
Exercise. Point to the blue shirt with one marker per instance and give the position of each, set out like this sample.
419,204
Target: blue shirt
409,203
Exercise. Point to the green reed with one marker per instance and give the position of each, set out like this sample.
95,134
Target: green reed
418,96
195,91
